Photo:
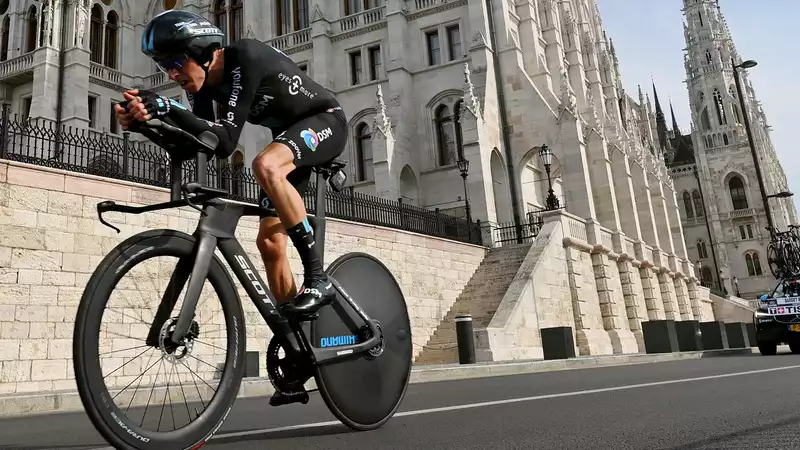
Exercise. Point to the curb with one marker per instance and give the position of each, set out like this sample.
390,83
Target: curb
68,401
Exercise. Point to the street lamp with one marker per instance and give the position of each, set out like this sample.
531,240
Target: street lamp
546,156
463,167
746,65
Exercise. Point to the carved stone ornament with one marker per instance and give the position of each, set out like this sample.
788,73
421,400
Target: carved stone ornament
80,18
588,42
381,121
470,102
568,100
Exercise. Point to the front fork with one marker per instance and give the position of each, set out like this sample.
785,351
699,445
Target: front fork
195,270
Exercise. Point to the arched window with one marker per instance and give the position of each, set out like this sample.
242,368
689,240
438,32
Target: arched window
363,156
112,29
708,56
33,22
705,274
738,194
457,125
43,28
4,39
718,105
702,251
724,138
753,263
704,120
96,34
356,6
229,17
291,16
687,205
445,136
698,203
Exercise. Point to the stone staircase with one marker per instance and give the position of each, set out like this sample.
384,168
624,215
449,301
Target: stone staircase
480,298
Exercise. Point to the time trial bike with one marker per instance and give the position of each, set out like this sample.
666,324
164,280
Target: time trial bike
358,349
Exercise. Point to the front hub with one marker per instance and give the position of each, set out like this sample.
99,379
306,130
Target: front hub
171,351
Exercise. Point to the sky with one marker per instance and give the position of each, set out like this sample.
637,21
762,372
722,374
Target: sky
648,39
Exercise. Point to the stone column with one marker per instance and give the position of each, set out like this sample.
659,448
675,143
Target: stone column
632,290
691,288
590,336
534,49
323,53
660,216
682,297
650,284
473,139
644,206
76,81
609,290
572,154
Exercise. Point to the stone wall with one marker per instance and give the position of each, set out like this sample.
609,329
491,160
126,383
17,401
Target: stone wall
51,240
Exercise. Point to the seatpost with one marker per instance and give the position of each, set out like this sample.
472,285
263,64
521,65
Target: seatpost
202,169
319,214
175,179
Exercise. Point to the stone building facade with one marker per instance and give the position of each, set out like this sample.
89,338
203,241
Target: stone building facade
722,211
453,79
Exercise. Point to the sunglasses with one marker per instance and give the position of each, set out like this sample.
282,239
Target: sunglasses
172,62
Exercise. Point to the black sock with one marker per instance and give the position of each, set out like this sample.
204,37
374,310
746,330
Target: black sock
302,236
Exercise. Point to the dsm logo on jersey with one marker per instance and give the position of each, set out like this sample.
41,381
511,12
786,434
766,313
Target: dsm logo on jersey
313,139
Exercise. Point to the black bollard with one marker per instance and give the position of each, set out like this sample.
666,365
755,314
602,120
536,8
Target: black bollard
466,342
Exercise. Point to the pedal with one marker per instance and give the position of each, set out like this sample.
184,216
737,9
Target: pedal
280,399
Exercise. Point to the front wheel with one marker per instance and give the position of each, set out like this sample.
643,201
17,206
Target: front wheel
144,370
365,392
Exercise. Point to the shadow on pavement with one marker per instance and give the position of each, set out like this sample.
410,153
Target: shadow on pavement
733,438
329,430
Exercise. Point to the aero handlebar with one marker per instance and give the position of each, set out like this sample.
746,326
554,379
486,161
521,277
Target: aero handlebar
166,134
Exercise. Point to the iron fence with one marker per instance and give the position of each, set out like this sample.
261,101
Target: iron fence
41,142
503,234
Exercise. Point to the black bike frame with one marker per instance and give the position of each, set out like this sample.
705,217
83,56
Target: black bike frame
216,229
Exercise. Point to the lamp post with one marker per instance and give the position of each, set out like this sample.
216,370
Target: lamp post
546,156
746,65
463,167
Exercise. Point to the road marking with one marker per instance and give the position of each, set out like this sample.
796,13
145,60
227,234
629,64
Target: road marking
500,402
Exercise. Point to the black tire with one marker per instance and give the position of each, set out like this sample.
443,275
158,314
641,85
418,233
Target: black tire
794,345
768,348
345,386
88,372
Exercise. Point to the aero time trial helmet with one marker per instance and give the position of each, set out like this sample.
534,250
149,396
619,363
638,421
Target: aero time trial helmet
177,32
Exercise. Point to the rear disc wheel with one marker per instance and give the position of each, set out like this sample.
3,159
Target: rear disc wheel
365,391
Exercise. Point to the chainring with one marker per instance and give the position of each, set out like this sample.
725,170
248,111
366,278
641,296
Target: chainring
284,375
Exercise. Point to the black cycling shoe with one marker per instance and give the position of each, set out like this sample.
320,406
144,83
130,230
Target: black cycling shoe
280,399
313,295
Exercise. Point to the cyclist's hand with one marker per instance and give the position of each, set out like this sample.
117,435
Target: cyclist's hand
146,105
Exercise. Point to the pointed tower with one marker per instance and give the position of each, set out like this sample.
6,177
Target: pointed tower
661,128
724,216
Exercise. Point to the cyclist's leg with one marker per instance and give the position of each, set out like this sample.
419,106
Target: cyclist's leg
272,241
308,143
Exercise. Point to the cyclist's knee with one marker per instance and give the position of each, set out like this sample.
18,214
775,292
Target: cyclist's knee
274,163
272,240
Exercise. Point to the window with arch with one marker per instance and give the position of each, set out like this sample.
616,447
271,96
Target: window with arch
702,250
698,203
738,194
291,16
228,16
111,41
363,153
724,138
448,134
708,56
33,22
4,38
687,205
96,34
356,6
706,279
753,263
720,107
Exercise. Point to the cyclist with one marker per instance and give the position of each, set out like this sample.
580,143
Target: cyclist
251,82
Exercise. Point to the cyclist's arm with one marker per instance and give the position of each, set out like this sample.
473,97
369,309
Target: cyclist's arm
228,128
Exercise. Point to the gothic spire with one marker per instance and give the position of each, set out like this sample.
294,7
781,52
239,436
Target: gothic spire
661,123
675,127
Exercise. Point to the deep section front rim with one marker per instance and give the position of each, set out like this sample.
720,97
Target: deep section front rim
106,416
365,391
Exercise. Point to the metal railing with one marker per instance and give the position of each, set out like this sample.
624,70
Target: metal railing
40,142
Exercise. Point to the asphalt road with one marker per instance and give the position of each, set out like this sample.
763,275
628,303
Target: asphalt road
717,402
